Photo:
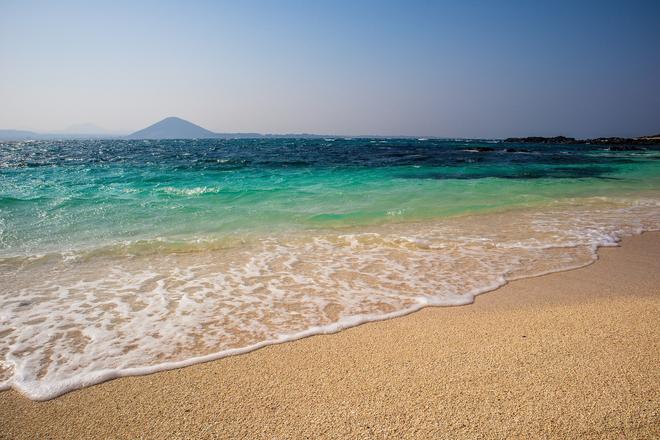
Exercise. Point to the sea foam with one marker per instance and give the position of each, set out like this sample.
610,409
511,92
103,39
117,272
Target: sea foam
66,323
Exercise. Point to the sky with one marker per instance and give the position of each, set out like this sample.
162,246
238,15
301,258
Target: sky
446,68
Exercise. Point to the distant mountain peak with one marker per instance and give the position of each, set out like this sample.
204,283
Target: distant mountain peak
173,127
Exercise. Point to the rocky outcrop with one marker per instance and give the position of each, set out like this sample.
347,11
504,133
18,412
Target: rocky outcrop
542,140
622,144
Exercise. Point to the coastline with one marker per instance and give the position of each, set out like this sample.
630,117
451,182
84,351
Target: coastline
568,354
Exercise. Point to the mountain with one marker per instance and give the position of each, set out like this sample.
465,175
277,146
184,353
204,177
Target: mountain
168,128
173,128
24,135
80,131
18,135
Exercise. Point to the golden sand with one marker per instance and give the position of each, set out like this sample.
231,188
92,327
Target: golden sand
569,355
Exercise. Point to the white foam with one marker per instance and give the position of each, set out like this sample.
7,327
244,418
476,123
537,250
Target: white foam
68,322
197,191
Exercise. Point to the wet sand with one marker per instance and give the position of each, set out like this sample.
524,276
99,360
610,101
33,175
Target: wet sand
568,355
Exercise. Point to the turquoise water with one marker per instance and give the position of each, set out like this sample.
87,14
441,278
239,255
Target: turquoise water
57,195
128,257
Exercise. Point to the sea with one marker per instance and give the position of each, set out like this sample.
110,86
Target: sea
123,258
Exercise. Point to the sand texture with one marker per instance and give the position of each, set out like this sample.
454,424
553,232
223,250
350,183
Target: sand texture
568,355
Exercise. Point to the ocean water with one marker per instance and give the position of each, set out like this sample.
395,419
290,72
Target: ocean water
127,257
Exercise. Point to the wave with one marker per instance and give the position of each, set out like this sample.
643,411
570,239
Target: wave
197,191
66,325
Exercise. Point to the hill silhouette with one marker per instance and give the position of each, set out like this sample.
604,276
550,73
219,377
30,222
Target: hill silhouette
173,128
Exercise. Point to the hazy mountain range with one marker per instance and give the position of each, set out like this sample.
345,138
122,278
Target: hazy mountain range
169,128
177,128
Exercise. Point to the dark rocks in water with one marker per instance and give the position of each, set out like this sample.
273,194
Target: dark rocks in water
542,140
517,150
619,141
625,148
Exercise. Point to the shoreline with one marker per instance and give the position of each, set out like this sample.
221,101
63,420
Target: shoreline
102,376
406,344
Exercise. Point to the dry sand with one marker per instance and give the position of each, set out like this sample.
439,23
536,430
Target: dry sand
568,355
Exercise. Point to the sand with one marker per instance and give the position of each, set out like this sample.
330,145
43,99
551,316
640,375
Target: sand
568,355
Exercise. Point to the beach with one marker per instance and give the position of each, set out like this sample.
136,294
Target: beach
573,354
127,257
329,220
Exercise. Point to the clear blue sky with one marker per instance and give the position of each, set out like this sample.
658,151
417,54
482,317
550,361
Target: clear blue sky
462,68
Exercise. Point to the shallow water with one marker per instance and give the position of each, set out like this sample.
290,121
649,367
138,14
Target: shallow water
125,257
